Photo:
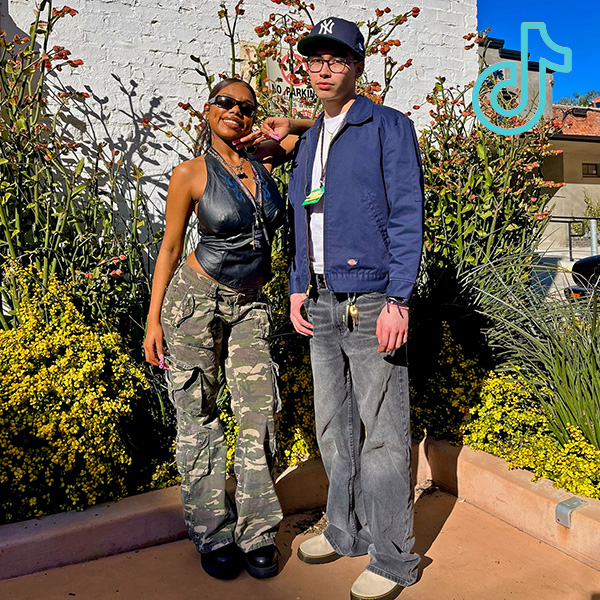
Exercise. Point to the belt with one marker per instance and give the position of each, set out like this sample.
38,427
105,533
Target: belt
318,280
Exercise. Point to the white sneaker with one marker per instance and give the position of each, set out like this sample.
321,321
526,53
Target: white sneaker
370,586
317,551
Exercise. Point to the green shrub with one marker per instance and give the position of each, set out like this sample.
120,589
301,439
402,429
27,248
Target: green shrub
486,203
556,344
510,423
442,405
67,394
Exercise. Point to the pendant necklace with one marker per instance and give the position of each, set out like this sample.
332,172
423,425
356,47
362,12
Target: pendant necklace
335,129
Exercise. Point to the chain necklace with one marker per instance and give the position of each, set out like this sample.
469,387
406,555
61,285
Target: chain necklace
257,199
237,169
335,129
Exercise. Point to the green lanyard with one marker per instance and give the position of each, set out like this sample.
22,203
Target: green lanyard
317,193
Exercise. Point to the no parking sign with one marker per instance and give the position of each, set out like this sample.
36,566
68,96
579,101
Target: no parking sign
280,81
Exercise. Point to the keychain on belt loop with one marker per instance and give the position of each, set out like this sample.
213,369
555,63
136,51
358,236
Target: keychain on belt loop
351,313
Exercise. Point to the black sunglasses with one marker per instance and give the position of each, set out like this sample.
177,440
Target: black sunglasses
227,103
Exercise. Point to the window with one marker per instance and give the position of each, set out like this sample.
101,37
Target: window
590,170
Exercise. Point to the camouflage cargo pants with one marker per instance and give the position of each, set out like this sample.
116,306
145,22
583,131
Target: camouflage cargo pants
206,324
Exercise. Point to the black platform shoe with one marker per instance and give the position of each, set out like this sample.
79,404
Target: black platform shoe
263,562
224,563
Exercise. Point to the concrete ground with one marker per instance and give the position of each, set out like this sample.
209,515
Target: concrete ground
467,555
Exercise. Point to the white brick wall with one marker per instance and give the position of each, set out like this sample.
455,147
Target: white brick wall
143,47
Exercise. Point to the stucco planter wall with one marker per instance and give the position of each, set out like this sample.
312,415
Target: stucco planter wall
155,518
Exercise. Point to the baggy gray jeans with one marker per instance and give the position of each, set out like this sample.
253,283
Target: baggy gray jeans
363,430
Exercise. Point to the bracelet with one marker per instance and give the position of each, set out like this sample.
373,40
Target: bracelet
397,302
398,306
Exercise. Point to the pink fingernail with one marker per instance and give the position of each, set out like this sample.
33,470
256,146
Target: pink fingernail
274,136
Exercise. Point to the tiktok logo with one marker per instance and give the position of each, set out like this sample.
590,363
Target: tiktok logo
326,27
512,81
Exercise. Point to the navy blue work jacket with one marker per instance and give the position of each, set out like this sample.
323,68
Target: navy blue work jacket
373,203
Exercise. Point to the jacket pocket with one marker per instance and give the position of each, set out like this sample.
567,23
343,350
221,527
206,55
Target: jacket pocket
377,217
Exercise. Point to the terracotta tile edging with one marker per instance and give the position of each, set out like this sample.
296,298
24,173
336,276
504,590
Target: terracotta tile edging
156,518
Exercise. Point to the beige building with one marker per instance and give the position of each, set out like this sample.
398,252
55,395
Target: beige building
578,166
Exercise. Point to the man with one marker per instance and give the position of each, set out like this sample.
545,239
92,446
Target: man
357,195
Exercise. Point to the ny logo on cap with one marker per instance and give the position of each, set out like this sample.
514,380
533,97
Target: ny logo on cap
326,27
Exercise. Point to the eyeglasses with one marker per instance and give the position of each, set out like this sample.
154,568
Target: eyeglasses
336,65
227,103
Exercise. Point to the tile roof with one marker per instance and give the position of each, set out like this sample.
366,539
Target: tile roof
587,123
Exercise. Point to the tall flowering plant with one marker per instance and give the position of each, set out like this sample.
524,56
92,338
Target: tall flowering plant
62,201
277,40
486,196
70,216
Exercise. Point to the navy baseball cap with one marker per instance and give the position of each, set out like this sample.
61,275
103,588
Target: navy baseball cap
340,31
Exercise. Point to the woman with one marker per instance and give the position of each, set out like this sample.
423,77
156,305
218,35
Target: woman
213,314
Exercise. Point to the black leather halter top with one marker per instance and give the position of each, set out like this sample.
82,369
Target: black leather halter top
226,218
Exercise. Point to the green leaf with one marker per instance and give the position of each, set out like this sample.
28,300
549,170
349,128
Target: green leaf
78,189
481,151
79,168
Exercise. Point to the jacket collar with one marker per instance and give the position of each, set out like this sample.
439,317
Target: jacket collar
360,111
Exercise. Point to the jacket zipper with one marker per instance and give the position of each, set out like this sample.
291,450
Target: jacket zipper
309,286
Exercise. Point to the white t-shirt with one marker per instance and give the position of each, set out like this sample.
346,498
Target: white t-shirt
330,128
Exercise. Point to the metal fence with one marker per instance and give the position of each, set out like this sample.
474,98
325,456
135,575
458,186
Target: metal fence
576,228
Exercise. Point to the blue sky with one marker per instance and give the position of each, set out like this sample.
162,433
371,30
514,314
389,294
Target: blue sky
569,23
